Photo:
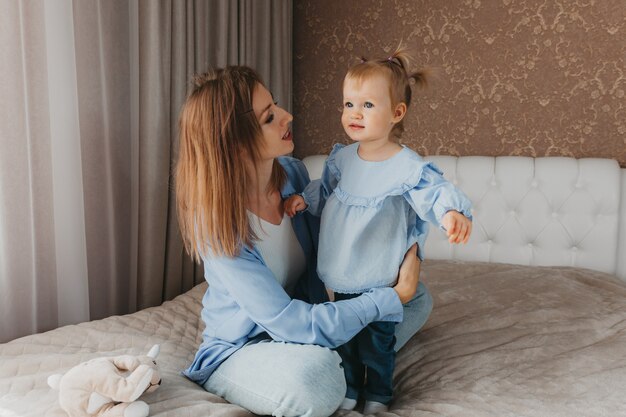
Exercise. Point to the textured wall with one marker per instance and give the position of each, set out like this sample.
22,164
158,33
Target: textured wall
527,77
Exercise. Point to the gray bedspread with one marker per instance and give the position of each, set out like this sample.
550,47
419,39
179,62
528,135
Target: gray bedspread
503,340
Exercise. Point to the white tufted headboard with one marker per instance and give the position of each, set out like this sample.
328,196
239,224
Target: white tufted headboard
548,211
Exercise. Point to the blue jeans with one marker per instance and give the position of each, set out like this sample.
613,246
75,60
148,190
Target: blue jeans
371,351
286,379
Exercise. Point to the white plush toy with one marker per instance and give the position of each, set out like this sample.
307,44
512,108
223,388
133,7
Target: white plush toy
108,387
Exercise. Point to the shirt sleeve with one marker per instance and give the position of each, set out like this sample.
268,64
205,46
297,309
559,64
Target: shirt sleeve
254,288
434,196
317,191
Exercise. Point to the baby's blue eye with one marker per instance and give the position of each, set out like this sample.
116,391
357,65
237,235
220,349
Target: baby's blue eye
368,105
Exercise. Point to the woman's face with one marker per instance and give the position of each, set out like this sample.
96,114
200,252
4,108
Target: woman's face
275,124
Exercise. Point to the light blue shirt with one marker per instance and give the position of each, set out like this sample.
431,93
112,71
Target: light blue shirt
244,302
373,212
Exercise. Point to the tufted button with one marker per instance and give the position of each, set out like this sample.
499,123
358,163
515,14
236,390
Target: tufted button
489,242
530,245
455,182
493,183
555,214
512,213
574,248
534,184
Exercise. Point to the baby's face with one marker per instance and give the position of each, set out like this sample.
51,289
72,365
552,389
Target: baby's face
367,112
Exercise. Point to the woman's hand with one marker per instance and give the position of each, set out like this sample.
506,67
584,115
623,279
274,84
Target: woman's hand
408,276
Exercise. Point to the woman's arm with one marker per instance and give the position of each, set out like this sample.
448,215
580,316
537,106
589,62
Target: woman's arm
253,287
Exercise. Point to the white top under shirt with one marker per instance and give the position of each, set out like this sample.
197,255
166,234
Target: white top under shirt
280,249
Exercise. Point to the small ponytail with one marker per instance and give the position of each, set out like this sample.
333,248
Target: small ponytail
420,78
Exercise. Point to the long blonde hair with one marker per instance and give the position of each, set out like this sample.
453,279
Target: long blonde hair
219,134
395,68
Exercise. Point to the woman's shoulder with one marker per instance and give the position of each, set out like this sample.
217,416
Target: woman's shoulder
292,166
297,175
244,253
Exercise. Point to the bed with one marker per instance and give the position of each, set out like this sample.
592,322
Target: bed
529,316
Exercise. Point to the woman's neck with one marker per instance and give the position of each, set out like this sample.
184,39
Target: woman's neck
263,200
259,179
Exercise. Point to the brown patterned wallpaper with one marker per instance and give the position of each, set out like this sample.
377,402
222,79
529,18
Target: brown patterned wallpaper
525,77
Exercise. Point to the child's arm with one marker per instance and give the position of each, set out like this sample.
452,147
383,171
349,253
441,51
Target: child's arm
315,194
294,204
437,201
312,199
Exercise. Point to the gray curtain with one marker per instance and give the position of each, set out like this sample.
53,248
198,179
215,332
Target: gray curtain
176,40
88,126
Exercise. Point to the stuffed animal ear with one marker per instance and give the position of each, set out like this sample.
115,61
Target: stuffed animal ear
55,380
154,351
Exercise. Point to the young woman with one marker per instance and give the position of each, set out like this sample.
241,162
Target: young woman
269,326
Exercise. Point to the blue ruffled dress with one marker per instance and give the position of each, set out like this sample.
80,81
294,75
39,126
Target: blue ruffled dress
373,212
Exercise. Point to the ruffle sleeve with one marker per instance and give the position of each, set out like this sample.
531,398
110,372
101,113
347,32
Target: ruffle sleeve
317,191
431,196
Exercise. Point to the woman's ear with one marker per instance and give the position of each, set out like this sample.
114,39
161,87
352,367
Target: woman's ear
399,112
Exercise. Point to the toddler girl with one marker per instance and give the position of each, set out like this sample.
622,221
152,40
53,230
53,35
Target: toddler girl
375,198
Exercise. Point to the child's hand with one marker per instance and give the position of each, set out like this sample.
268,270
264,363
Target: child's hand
294,204
458,227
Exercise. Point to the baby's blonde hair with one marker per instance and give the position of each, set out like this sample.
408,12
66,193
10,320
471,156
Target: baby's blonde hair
395,68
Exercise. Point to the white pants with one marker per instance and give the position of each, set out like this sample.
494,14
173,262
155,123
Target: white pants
287,379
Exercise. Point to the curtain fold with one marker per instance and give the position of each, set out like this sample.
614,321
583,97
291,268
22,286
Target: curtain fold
88,225
65,153
103,79
27,245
